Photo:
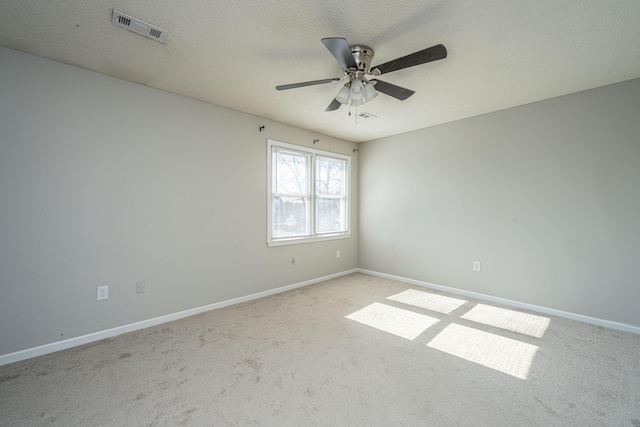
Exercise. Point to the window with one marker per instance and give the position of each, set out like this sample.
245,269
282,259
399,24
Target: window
308,194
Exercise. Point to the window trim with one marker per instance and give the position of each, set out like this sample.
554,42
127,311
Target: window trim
314,236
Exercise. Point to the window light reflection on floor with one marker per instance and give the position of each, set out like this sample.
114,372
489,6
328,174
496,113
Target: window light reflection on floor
428,300
403,323
510,320
509,356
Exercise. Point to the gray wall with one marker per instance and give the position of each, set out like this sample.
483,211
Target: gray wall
105,182
546,196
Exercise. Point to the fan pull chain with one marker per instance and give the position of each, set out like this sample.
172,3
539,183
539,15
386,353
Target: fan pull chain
356,112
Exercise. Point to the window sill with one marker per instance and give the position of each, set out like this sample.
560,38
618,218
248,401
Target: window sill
301,240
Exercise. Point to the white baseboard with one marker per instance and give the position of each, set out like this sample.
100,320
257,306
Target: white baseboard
97,336
517,304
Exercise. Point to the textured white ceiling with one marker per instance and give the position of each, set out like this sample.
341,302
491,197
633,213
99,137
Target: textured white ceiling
502,53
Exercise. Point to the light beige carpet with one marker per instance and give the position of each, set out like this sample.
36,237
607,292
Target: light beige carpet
354,351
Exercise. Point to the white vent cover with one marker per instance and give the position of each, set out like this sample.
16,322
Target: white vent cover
137,26
367,116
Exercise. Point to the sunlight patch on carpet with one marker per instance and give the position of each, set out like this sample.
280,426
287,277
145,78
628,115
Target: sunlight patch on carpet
434,302
510,320
403,323
509,356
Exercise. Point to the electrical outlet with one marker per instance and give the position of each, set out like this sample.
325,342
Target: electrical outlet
338,253
102,293
140,287
477,266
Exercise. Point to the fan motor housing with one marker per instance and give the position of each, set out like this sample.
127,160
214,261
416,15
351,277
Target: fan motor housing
363,56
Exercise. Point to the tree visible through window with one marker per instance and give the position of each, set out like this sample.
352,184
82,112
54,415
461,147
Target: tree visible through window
331,194
308,195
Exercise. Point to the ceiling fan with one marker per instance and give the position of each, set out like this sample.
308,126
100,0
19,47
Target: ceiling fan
356,63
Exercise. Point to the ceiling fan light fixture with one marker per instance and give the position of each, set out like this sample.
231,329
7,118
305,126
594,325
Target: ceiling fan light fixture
369,92
355,61
343,96
357,89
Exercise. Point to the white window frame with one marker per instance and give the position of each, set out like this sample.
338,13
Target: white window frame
313,236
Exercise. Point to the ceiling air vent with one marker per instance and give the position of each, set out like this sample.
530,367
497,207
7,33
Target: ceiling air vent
137,26
367,116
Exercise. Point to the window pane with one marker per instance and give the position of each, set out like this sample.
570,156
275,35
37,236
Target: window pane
290,172
290,216
330,176
308,194
330,216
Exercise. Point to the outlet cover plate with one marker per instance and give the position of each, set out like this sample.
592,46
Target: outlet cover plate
102,293
477,266
140,287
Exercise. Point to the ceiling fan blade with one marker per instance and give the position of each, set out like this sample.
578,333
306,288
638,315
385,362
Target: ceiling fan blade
340,49
433,53
392,90
303,84
335,104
